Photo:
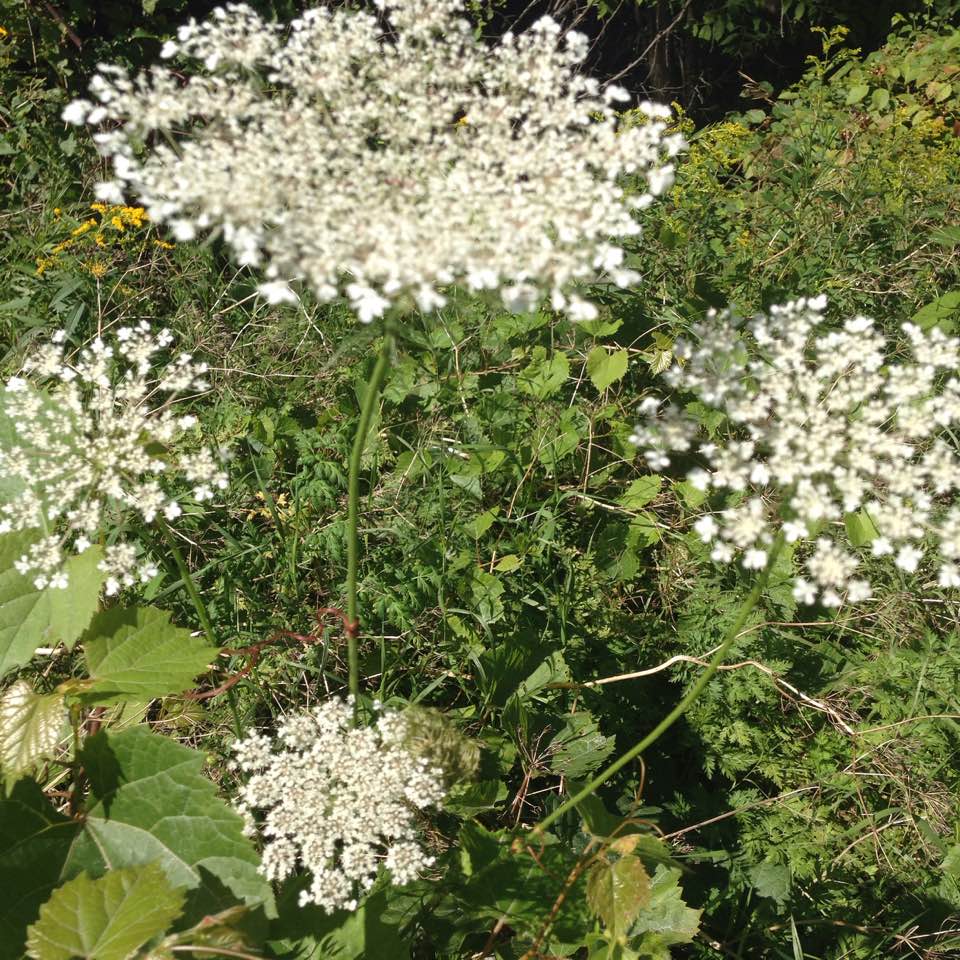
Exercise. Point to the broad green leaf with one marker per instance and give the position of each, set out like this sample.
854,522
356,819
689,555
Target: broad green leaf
949,886
860,528
30,618
31,725
856,93
605,368
644,531
560,437
481,523
618,891
666,918
771,880
509,563
469,799
105,919
544,376
151,802
943,312
138,654
579,747
308,933
641,491
35,842
880,99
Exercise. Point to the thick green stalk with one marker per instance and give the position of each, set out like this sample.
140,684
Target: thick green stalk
370,401
681,708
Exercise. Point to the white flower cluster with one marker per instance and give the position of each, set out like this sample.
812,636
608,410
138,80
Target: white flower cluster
833,437
91,433
383,160
337,799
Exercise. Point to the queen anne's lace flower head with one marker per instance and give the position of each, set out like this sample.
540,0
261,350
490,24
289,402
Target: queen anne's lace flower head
830,434
386,159
338,800
92,438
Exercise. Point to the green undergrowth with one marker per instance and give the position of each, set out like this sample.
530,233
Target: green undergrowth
516,551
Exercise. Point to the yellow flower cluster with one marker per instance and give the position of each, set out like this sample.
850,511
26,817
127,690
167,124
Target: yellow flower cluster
111,226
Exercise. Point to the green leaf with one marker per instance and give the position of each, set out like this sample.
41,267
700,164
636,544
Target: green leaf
618,891
666,917
105,919
151,802
543,377
138,654
771,880
946,236
309,933
880,100
856,93
579,747
481,523
942,312
605,368
641,492
30,618
30,728
35,842
860,528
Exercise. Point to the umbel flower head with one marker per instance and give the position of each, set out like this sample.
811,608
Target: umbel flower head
832,438
338,800
382,159
91,447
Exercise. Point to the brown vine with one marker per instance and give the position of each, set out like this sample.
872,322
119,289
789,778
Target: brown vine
253,651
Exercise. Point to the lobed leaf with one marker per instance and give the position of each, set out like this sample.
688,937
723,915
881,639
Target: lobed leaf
105,919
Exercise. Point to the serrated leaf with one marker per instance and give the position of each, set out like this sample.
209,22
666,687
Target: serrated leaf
35,842
151,802
771,880
138,654
641,491
579,747
605,368
30,618
666,915
618,891
544,376
30,728
105,919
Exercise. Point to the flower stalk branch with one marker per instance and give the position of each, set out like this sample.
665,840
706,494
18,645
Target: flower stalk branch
688,700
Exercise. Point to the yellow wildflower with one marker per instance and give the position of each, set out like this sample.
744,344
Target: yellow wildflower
100,241
4,33
56,211
163,244
117,224
97,269
84,227
100,208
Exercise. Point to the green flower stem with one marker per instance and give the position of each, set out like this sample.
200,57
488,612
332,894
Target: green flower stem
681,708
371,399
